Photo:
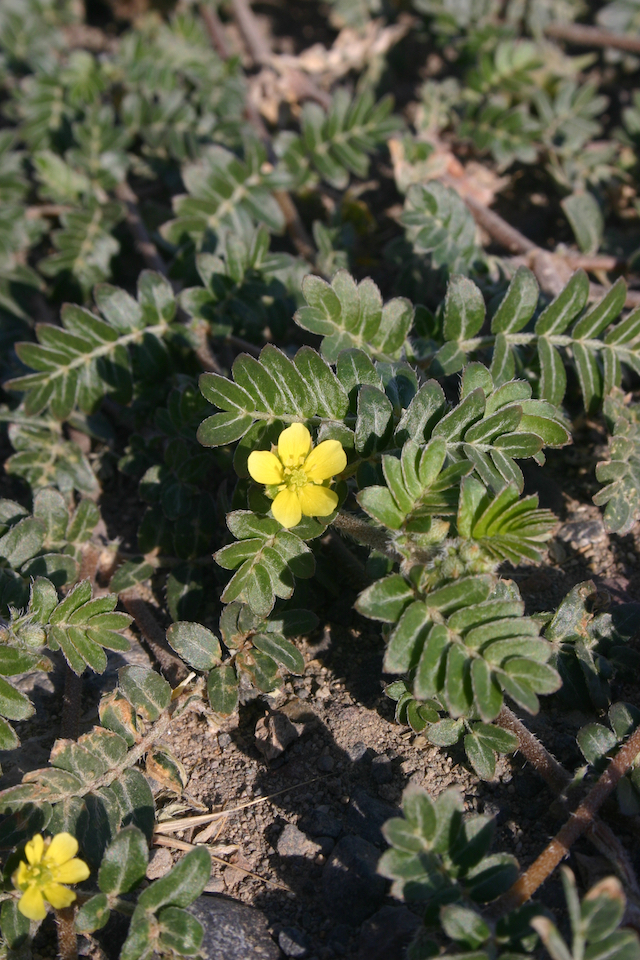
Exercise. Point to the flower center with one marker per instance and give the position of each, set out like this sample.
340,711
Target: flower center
37,874
295,477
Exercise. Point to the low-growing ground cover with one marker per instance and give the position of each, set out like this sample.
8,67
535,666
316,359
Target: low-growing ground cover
320,338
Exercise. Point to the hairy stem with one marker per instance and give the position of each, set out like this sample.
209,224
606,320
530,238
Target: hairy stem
585,36
67,938
530,747
171,665
71,705
366,534
581,820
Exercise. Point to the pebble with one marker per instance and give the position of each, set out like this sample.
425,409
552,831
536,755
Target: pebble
382,769
352,890
325,764
357,752
233,930
274,733
366,814
160,863
293,942
320,823
292,842
386,935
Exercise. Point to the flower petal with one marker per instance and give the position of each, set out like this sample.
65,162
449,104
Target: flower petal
325,461
58,896
31,904
34,849
317,501
294,444
62,848
265,467
286,508
21,878
73,871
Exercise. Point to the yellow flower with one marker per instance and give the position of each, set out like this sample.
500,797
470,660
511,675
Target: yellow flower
50,864
299,474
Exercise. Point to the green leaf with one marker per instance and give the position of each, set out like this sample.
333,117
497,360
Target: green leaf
518,304
589,376
553,379
182,885
222,690
195,644
283,651
129,574
94,914
566,306
596,741
584,214
14,705
464,309
407,639
374,423
179,931
124,863
464,926
147,691
386,599
437,221
15,926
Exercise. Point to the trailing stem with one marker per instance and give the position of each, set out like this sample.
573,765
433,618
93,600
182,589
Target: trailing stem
581,820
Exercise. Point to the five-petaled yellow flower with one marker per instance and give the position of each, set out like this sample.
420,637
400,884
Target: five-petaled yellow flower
50,864
299,475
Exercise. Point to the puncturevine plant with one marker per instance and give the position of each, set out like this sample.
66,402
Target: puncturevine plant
278,301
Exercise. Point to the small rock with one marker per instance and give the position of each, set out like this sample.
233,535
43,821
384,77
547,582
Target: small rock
325,763
582,532
366,814
233,930
160,863
292,842
387,933
215,885
274,733
357,752
326,845
293,942
382,769
224,740
320,823
388,791
351,888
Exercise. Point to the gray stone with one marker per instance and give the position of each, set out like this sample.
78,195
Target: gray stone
386,935
326,844
233,930
293,942
292,842
382,769
366,814
325,763
351,888
274,734
319,823
357,752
